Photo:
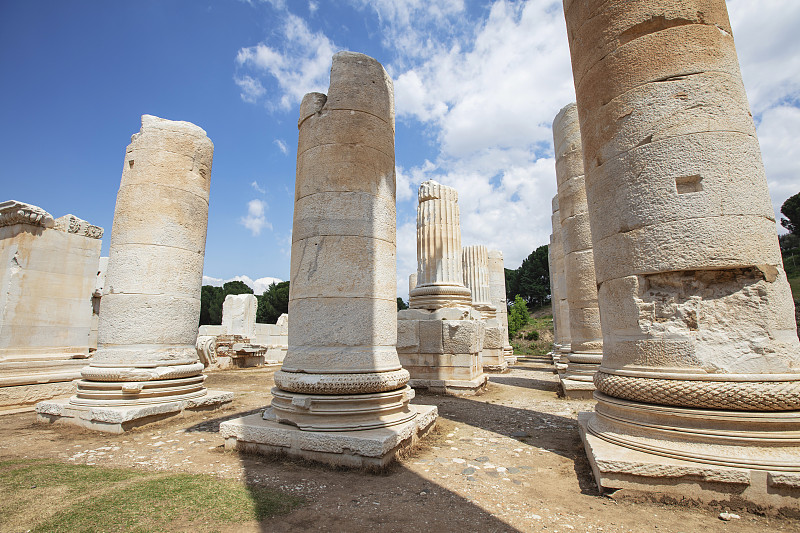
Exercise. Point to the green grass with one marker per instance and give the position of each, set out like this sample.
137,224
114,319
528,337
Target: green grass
526,342
46,496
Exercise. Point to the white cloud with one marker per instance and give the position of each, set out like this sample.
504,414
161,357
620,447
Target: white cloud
777,134
255,220
301,64
252,90
313,7
258,187
259,285
281,146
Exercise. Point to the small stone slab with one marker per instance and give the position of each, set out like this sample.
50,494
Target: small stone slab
365,448
121,419
451,386
577,390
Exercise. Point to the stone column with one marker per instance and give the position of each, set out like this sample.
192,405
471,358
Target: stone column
239,315
701,359
439,270
341,372
580,285
564,344
497,295
440,338
553,302
146,364
475,262
412,282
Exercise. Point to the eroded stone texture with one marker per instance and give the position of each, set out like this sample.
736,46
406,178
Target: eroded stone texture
581,288
47,279
412,282
696,310
151,303
497,295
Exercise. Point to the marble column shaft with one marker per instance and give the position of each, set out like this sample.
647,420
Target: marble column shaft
439,262
560,280
343,292
475,263
497,293
581,288
151,302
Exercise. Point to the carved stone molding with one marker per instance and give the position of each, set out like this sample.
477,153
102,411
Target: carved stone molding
13,212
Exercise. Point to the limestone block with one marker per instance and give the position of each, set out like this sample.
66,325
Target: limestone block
239,315
493,337
48,276
430,336
322,260
344,213
357,321
348,162
408,335
462,336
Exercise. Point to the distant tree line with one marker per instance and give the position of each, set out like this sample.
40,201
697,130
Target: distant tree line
531,281
271,304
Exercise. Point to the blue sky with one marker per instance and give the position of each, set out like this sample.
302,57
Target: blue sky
477,85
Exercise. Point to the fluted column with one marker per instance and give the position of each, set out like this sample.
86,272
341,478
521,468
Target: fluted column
700,340
439,270
581,288
341,369
475,264
412,282
497,294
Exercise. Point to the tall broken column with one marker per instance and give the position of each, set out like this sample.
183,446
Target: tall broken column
440,338
497,295
563,346
475,262
146,365
341,374
700,380
586,335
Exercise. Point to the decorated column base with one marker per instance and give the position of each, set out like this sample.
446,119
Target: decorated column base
744,459
115,398
368,448
442,349
508,355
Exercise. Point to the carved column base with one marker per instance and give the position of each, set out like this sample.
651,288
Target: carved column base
702,454
438,296
345,412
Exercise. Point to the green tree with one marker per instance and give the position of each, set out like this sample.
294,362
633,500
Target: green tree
517,316
531,280
791,210
401,304
208,294
211,299
273,303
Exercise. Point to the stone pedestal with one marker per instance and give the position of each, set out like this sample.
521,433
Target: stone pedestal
342,395
146,364
586,336
701,360
441,338
48,274
442,349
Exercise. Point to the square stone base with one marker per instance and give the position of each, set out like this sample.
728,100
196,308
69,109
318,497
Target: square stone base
373,448
576,390
121,419
451,386
634,474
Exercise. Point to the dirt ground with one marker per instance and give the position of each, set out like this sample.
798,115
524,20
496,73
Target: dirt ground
508,460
